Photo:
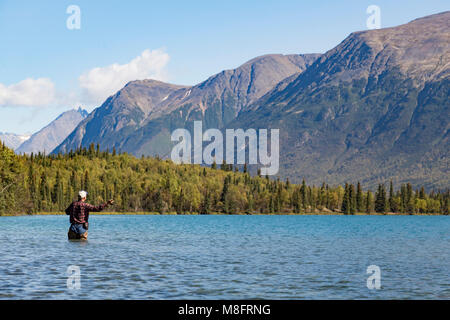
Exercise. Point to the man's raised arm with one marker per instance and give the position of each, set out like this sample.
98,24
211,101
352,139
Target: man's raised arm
98,208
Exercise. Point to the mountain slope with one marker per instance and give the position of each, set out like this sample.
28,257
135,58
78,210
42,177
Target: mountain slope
140,117
119,115
13,140
46,139
373,108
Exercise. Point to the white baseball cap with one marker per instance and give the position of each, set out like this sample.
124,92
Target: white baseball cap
82,194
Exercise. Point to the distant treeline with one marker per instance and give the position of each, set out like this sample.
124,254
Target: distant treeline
48,183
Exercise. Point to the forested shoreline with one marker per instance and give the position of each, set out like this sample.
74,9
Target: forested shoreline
30,184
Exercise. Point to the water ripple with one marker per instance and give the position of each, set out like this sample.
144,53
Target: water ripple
227,257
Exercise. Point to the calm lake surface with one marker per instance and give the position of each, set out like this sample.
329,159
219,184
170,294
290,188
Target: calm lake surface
227,257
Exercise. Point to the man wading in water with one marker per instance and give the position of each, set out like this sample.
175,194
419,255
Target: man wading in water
79,216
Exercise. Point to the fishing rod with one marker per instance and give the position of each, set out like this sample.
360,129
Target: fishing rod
126,186
5,188
129,184
135,179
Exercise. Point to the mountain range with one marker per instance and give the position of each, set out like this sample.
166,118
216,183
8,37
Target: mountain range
49,137
140,117
372,109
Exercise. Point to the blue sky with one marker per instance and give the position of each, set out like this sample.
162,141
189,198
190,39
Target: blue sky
186,42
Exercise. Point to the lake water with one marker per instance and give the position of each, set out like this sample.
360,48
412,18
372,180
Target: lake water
227,257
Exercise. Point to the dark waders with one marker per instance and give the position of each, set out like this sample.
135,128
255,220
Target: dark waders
77,232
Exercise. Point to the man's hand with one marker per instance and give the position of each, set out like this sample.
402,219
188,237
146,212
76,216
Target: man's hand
110,202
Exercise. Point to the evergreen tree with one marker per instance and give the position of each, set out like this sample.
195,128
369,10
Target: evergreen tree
271,205
403,198
226,184
409,208
91,152
346,202
391,202
359,199
381,205
369,201
422,193
44,190
297,201
352,199
32,187
303,195
206,205
58,192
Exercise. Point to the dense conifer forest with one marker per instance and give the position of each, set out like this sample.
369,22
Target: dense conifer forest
32,184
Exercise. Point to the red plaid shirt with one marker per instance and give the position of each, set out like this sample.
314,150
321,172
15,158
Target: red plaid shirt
79,211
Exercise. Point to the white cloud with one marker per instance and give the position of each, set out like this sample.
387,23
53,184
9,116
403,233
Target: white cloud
28,92
96,84
99,83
